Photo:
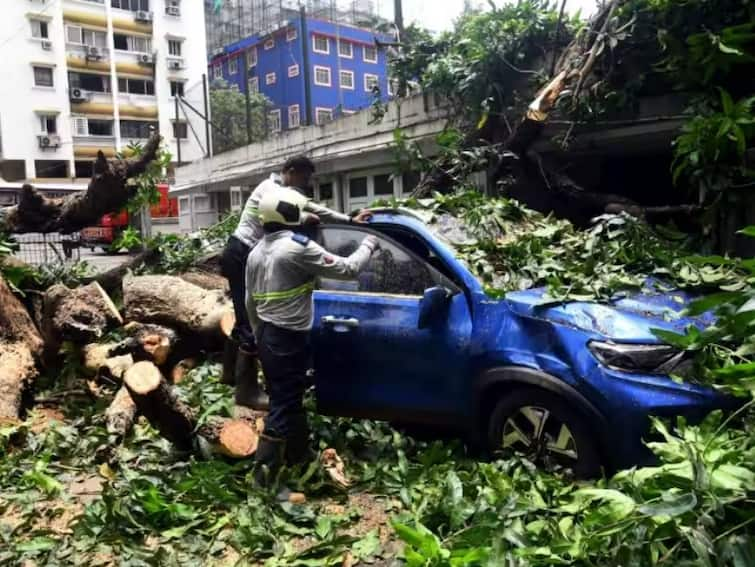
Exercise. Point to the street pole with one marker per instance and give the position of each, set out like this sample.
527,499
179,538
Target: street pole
207,115
305,62
398,18
248,102
177,132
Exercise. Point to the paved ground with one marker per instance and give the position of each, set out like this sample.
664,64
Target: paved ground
102,261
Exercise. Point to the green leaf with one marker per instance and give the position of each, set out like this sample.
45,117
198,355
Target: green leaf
735,371
710,302
670,505
674,339
748,231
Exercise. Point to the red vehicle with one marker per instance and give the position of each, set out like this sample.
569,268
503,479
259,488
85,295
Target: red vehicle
111,225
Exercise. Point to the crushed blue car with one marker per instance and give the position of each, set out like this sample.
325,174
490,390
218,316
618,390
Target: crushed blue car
415,339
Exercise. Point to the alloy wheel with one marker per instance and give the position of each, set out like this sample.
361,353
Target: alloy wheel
540,436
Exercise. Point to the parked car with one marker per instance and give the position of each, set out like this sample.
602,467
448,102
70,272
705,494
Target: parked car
415,339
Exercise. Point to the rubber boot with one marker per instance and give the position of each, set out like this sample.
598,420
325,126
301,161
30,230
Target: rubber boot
230,354
298,450
268,459
248,390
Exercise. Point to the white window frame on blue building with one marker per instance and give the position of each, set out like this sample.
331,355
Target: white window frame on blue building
269,44
233,65
294,116
217,71
251,55
274,120
330,76
367,77
320,109
292,34
341,75
343,43
253,85
325,51
293,71
271,78
364,54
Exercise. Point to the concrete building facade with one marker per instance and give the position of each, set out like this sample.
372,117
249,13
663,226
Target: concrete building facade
82,76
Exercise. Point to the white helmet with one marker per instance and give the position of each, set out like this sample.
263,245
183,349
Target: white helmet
282,206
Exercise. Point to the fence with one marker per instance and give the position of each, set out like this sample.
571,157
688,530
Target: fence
51,248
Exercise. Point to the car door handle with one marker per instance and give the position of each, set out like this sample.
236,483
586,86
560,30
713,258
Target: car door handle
345,322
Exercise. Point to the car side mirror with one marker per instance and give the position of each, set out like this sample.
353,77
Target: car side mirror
433,307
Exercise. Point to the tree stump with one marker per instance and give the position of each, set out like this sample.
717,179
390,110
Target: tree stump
233,438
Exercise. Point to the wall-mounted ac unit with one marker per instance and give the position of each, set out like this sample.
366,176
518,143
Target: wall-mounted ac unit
173,10
78,95
93,54
146,59
48,141
143,16
175,65
46,45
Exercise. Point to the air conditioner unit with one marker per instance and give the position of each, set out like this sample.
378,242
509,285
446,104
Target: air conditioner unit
78,95
93,54
175,64
46,45
48,141
143,16
173,10
146,59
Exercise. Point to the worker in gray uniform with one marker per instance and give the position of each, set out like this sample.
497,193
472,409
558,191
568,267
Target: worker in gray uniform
280,278
240,354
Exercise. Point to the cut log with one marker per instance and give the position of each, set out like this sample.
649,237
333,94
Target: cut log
94,357
156,400
234,438
227,322
20,347
108,191
168,300
181,369
149,342
205,279
121,413
80,315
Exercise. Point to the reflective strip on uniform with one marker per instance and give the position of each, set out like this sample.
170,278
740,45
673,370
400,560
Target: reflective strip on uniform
288,294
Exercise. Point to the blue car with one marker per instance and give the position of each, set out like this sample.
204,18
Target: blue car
415,339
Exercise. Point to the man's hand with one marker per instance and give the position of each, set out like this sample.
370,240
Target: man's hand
363,216
311,219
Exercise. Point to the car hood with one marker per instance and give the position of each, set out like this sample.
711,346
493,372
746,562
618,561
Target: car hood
626,318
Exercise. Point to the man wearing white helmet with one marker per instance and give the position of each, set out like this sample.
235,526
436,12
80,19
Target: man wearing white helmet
239,358
280,278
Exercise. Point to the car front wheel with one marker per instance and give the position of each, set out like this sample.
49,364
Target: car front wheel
545,429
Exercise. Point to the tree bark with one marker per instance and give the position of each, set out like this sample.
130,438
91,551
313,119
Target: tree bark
81,315
121,413
149,342
20,348
108,191
156,400
194,312
234,438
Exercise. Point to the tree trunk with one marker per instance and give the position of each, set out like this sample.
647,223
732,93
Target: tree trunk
234,438
108,191
149,342
121,413
156,400
194,312
20,347
81,315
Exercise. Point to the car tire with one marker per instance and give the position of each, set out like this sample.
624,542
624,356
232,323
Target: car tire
547,430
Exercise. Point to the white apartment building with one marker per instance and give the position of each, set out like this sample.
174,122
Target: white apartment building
79,76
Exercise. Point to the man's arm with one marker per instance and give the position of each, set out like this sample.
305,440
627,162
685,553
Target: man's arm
326,214
319,262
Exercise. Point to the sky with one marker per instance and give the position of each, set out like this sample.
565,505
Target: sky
438,15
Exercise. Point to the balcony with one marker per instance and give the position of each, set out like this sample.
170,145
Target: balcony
87,54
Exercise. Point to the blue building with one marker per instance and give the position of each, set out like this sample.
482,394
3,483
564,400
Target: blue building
311,69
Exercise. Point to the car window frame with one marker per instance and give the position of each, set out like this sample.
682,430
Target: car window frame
451,285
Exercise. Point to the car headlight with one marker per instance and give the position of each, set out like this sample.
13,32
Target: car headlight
645,358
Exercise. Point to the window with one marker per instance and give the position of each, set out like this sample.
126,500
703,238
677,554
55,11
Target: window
347,80
369,54
180,130
48,124
43,76
174,47
383,185
217,70
345,49
51,168
136,86
326,194
39,29
294,117
254,85
323,115
83,169
135,43
233,65
293,71
176,88
358,187
371,82
322,76
291,34
89,82
120,42
82,36
269,44
252,57
391,270
409,180
79,126
131,5
270,78
100,127
320,44
139,129
274,120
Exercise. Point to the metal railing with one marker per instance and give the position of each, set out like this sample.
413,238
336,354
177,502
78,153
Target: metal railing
47,248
